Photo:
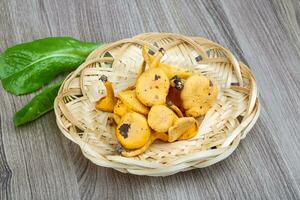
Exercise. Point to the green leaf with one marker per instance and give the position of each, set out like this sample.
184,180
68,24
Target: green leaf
26,67
38,106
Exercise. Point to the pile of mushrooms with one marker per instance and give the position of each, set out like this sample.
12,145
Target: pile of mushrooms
162,105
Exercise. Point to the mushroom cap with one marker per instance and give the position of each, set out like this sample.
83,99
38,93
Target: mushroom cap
181,126
133,131
198,95
106,104
161,118
120,108
171,71
128,97
191,132
152,87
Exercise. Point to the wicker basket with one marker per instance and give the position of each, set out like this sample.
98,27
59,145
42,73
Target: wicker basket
221,129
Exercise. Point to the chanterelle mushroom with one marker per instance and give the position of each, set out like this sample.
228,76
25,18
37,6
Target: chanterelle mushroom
174,96
171,71
120,108
198,95
154,136
163,119
152,86
190,133
181,126
133,131
107,103
128,97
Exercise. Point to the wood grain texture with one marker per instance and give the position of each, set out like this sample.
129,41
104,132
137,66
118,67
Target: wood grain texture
37,162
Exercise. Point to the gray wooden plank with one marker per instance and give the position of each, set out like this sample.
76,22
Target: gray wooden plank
36,161
5,171
35,156
276,66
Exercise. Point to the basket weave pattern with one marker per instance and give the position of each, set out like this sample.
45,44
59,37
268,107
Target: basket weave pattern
222,128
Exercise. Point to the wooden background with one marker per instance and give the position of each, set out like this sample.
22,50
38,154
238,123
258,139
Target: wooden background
38,162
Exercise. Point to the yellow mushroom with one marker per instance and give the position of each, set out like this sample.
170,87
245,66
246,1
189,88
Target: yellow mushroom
163,119
185,92
198,95
108,102
133,131
120,108
154,136
117,118
129,99
190,133
171,71
152,86
181,126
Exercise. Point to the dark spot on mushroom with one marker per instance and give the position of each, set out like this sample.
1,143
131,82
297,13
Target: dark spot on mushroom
200,107
156,77
103,78
156,87
145,90
214,147
209,94
119,148
198,58
210,83
124,128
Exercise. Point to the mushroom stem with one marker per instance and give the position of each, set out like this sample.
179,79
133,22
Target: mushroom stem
107,103
109,90
175,109
142,68
152,61
141,71
156,61
145,54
